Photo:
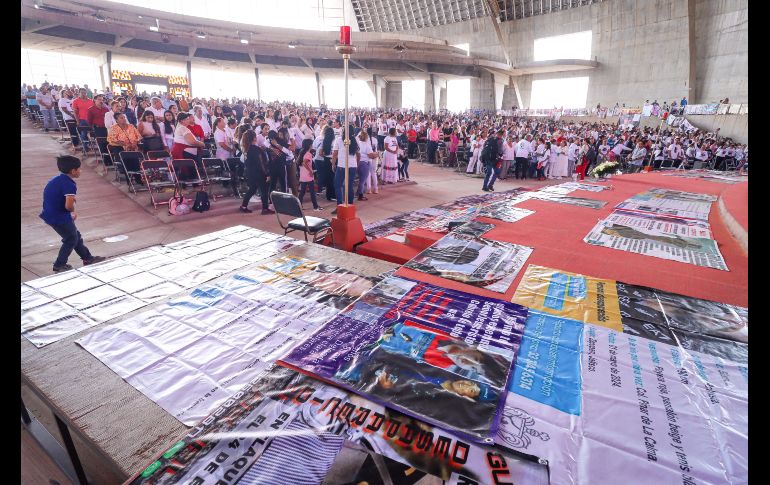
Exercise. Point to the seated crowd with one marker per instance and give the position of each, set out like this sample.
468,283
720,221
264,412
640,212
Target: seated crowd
297,148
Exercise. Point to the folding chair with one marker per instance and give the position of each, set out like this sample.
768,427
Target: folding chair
63,130
730,165
157,176
105,154
186,171
131,165
158,155
289,205
216,170
72,128
422,151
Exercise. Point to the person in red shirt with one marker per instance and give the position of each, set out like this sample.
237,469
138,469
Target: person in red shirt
197,132
411,137
95,116
80,107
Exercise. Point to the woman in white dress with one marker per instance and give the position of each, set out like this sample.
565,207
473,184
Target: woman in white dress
390,159
560,163
476,145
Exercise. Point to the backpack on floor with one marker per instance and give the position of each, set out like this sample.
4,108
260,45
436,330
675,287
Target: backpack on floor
201,202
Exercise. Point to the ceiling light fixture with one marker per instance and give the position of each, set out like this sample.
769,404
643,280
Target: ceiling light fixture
200,34
38,4
99,17
244,37
292,45
156,27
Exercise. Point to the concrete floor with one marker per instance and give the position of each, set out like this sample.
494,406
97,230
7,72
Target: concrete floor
106,208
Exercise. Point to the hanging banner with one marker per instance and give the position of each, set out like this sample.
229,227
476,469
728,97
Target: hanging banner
57,306
283,427
414,345
192,352
488,264
699,251
569,295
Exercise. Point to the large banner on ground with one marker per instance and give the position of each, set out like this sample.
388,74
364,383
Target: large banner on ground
488,264
284,427
191,353
656,205
440,355
656,240
598,404
57,306
570,295
550,196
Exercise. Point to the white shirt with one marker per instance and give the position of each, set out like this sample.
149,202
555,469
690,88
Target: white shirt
298,136
572,151
342,154
65,103
365,148
307,132
179,137
523,149
109,119
157,112
203,122
675,152
221,137
317,144
382,129
509,151
390,142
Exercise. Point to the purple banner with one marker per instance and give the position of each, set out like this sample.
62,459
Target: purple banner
440,355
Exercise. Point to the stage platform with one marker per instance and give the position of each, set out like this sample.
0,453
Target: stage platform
556,233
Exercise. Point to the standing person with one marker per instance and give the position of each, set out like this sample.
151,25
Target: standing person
637,157
96,114
46,102
339,155
169,126
185,143
543,160
225,148
202,120
59,213
324,166
368,155
509,155
382,132
257,173
454,142
411,136
434,136
489,156
390,158
306,180
561,162
675,153
477,143
522,157
80,106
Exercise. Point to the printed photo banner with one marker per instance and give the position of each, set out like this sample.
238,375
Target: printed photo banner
651,204
569,295
661,225
413,345
473,229
564,199
488,264
684,414
57,306
192,352
284,427
719,177
708,327
504,211
655,240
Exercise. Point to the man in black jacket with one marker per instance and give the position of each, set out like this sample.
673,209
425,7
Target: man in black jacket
489,155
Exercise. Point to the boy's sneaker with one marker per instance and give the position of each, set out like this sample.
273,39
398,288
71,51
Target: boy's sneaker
59,269
318,209
93,260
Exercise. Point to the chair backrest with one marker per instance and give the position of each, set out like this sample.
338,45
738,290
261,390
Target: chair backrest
286,204
186,169
132,161
158,154
154,165
101,142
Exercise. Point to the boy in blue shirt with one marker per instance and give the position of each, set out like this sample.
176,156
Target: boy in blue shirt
59,213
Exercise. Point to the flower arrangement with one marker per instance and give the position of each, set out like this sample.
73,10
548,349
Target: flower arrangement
604,168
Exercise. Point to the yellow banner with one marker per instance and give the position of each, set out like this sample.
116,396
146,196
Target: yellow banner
570,295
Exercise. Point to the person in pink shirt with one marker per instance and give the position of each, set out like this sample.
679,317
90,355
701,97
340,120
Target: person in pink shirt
306,180
453,143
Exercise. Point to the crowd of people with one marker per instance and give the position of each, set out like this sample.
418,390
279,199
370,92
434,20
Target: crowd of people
303,150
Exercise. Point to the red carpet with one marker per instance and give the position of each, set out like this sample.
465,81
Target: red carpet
736,200
556,233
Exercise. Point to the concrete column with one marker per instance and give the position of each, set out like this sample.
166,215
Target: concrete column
430,103
393,95
109,70
483,91
318,88
256,78
442,98
692,53
189,77
499,93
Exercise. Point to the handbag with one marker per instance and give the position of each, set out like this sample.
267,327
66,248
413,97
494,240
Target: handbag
178,205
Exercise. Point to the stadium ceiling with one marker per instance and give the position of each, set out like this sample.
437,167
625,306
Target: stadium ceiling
399,15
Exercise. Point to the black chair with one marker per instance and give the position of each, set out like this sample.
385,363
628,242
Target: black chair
216,170
157,176
158,154
289,205
186,171
131,166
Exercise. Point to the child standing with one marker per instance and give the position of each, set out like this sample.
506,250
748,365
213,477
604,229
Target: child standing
306,174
